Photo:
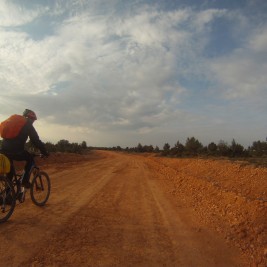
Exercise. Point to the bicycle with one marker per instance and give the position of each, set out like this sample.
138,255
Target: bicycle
11,191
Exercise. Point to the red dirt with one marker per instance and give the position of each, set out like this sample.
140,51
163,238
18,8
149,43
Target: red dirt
116,209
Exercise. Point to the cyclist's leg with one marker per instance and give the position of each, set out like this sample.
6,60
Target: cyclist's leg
25,156
29,161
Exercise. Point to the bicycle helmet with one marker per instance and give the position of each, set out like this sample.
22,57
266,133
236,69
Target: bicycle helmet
29,114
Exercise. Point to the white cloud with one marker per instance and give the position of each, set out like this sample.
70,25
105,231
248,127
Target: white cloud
203,18
242,74
14,15
107,73
258,41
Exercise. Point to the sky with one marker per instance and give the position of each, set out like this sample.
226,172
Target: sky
123,72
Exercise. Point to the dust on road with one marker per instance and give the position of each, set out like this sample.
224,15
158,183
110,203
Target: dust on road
115,209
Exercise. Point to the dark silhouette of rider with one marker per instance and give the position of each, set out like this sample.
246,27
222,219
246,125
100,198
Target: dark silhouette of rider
14,148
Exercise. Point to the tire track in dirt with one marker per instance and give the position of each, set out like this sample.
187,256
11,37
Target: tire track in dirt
196,246
217,191
126,220
30,225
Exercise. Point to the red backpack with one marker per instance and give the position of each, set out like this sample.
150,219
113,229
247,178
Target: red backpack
11,127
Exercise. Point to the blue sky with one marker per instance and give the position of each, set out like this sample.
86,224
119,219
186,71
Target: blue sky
121,72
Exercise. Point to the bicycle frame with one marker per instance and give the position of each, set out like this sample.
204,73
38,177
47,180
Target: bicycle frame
39,188
18,177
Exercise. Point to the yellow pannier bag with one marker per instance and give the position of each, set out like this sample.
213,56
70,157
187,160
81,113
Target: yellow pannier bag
4,164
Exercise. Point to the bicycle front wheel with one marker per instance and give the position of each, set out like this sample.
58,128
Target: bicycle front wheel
7,199
40,188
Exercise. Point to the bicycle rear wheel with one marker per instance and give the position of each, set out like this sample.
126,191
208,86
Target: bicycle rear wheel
40,188
7,199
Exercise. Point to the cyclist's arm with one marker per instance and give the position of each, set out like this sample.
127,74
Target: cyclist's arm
33,135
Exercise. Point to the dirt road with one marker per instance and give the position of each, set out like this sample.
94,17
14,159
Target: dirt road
113,209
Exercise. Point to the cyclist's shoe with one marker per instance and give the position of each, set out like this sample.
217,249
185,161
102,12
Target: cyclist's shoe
26,184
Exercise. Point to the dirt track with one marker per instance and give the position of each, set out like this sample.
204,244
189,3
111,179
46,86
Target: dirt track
114,209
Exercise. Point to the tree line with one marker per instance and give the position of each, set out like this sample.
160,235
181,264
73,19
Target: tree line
193,147
66,146
61,146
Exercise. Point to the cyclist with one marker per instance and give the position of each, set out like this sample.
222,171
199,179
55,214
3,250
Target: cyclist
19,128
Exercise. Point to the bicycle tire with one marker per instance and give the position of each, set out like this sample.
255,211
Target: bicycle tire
40,188
7,199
